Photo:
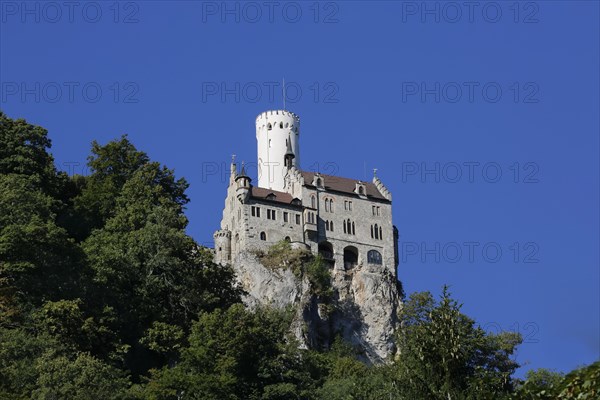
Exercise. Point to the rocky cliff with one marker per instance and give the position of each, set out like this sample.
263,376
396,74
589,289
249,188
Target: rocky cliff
360,304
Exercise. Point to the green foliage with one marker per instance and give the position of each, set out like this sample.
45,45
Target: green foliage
582,383
444,355
236,354
302,263
281,255
163,338
19,351
81,378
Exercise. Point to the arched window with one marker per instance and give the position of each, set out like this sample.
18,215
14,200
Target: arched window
269,127
353,230
380,235
374,257
361,190
376,232
281,125
371,231
319,182
287,239
313,201
263,236
345,226
331,226
330,205
326,205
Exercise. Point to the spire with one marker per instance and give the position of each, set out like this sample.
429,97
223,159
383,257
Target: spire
243,171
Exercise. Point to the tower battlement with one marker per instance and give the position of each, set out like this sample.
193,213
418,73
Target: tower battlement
275,114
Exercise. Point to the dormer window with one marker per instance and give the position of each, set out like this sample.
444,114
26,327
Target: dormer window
271,196
360,189
319,182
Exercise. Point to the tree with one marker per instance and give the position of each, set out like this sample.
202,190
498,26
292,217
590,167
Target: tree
443,355
582,383
237,354
24,151
81,378
111,166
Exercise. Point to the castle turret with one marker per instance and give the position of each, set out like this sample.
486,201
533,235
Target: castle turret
277,135
243,185
222,246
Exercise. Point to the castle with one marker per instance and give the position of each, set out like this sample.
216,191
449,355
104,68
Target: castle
347,221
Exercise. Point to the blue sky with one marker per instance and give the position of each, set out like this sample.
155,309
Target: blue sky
482,120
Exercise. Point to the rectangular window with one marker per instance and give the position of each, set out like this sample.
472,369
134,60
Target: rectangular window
297,219
374,210
258,212
346,205
285,216
349,206
253,211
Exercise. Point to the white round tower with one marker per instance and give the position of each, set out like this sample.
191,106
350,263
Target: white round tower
277,131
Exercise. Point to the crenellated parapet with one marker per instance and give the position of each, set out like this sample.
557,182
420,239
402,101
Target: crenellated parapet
382,189
277,115
222,234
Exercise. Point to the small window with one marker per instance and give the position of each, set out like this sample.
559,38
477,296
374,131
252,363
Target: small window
374,210
380,235
331,205
319,182
287,239
326,205
378,211
263,236
297,219
326,225
331,226
353,230
349,206
258,212
372,232
285,216
281,125
313,201
361,190
253,211
269,127
376,232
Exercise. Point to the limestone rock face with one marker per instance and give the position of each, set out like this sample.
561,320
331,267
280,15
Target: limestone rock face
363,309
